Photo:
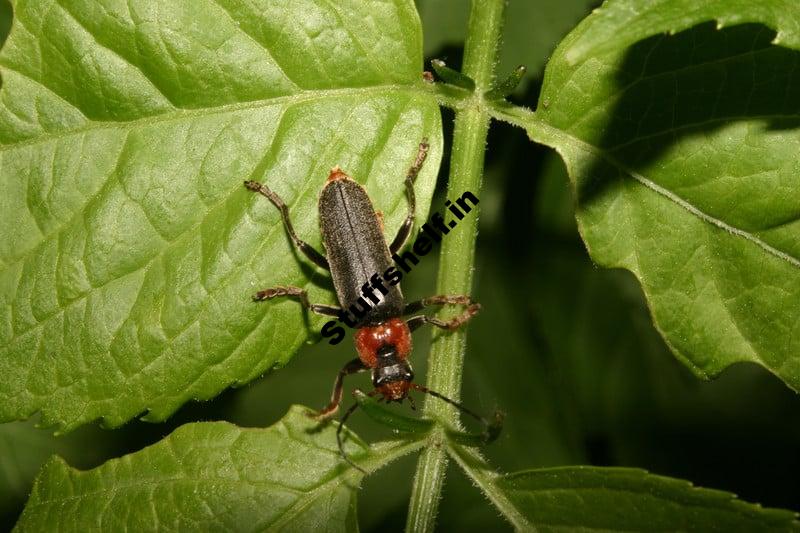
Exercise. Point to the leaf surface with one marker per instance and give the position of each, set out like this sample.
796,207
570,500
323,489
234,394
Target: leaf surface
613,499
130,248
682,150
590,498
288,477
622,23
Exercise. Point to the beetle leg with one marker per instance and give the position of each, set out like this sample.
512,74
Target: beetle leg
405,230
441,299
454,323
353,367
302,297
309,251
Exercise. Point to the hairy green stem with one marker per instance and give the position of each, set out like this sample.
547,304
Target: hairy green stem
457,256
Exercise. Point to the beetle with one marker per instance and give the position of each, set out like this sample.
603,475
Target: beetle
352,234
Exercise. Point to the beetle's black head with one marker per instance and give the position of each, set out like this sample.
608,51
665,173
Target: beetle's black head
392,374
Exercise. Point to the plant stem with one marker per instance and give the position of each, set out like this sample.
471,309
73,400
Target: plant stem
457,256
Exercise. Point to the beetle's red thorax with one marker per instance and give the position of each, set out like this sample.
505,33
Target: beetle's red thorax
370,339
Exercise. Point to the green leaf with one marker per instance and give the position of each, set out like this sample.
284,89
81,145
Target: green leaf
591,498
682,152
594,498
130,248
622,23
289,476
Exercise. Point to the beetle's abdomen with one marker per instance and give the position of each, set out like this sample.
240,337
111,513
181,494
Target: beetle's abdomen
356,248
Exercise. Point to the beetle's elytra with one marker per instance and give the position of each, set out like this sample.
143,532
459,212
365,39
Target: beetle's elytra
355,246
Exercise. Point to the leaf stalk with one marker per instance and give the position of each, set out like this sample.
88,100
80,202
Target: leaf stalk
457,257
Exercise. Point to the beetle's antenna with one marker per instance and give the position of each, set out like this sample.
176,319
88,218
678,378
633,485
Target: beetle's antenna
490,429
345,416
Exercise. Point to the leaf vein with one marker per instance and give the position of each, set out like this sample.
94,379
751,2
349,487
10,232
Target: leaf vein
242,28
536,125
377,68
694,125
117,54
183,114
620,92
39,83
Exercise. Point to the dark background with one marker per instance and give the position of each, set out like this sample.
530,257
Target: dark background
565,348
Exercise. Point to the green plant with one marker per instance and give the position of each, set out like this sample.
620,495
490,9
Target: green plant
130,248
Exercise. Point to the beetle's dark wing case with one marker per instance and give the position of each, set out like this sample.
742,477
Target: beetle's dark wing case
356,247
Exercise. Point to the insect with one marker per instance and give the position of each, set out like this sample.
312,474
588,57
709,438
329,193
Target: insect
356,249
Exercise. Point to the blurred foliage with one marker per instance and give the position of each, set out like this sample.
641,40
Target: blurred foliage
566,349
531,32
